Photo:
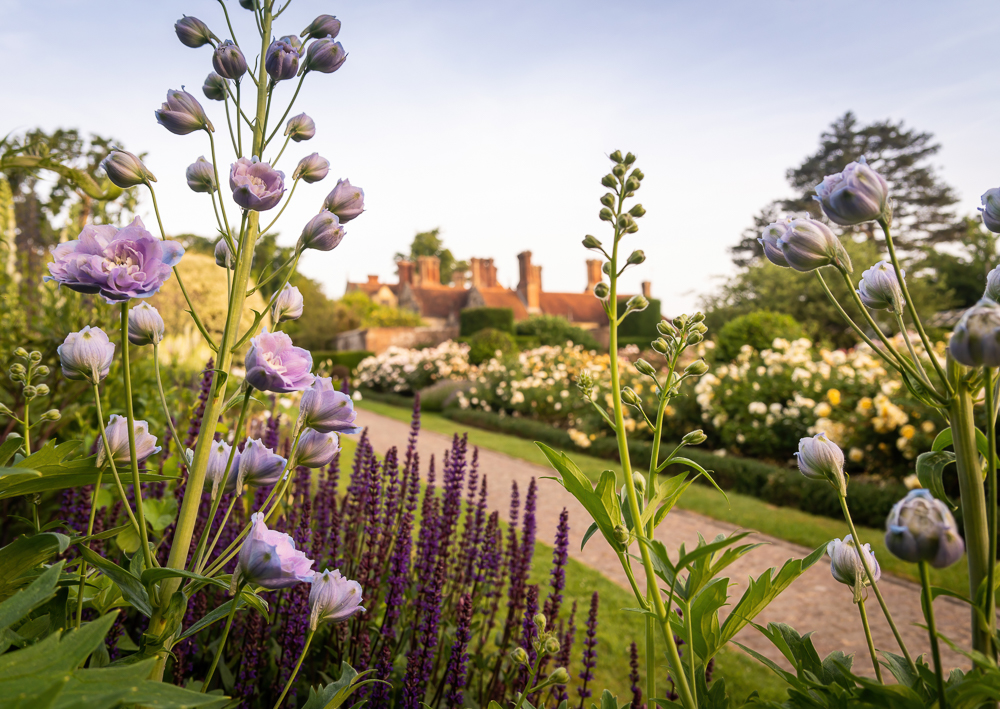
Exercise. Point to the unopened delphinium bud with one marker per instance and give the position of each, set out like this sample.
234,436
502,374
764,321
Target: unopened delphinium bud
551,646
84,355
333,598
637,303
294,41
42,371
616,157
636,257
29,392
200,176
696,368
666,328
630,397
637,211
322,26
539,621
324,56
282,61
846,564
591,242
660,346
621,533
145,326
644,367
126,170
519,655
21,352
854,196
975,341
879,288
182,114
618,171
559,675
694,438
346,201
639,480
608,200
769,241
214,87
35,356
42,390
991,209
228,61
317,449
323,232
921,528
17,369
224,255
602,290
809,244
300,127
51,415
311,168
288,305
192,32
993,285
820,458
606,215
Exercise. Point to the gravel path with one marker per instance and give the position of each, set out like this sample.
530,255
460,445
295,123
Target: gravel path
814,601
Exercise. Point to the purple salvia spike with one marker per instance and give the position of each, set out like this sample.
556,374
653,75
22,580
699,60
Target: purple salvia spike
252,640
560,556
472,545
410,458
420,660
379,698
589,650
457,671
529,633
294,632
633,677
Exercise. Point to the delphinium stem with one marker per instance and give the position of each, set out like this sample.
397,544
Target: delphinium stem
928,608
991,508
285,114
913,352
90,531
163,402
295,672
147,554
222,641
111,461
871,643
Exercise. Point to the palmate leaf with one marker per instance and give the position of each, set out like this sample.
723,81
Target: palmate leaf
130,586
24,601
24,554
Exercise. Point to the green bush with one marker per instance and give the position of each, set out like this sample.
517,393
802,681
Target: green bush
640,324
758,330
554,330
472,320
484,345
344,358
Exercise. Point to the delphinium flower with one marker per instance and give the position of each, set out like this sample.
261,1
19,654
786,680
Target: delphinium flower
333,598
259,466
322,233
214,87
256,185
228,61
589,650
808,244
125,169
87,354
219,470
181,114
119,264
322,26
457,670
117,434
311,169
300,127
846,565
819,458
633,677
975,341
288,305
921,528
317,449
281,60
274,364
346,201
200,176
145,326
857,194
192,32
879,288
269,559
325,56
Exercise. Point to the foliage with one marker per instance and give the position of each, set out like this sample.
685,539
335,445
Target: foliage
430,243
472,320
640,323
488,344
406,371
356,309
342,358
554,330
758,330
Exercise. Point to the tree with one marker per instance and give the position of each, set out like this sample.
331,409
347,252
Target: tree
922,202
429,243
961,271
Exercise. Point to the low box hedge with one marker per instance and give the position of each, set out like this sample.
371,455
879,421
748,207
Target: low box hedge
348,358
472,320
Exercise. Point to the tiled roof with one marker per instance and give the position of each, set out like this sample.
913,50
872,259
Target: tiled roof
575,307
371,289
504,298
440,302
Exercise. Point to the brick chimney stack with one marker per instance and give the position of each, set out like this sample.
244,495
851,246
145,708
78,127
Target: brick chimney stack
430,271
530,286
404,269
458,279
647,289
484,273
372,280
594,274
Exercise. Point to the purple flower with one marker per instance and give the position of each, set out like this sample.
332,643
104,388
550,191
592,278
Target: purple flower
224,255
269,559
282,60
288,305
86,355
856,195
560,556
274,364
117,433
317,449
228,61
117,263
323,232
312,168
322,26
214,87
921,528
145,326
182,114
218,469
256,185
300,127
808,244
346,201
456,673
333,598
294,41
192,32
126,170
324,56
200,176
633,677
769,242
259,466
326,409
589,648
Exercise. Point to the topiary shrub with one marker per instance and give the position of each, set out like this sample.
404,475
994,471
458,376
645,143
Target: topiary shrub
472,320
554,330
758,330
485,344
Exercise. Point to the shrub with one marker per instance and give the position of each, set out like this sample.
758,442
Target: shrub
759,330
641,324
489,343
345,358
472,320
406,371
554,330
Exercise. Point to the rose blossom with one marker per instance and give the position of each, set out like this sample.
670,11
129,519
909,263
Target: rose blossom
256,185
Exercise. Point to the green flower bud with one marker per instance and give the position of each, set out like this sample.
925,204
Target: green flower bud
639,480
609,181
30,392
606,215
630,397
51,415
637,174
618,171
644,367
694,438
636,257
602,291
631,184
698,317
629,159
608,200
694,338
617,156
21,352
637,211
42,371
5,411
621,534
665,328
637,302
35,356
606,268
700,328
42,389
591,242
559,676
660,346
632,228
519,655
624,220
680,321
539,621
696,368
18,368
552,646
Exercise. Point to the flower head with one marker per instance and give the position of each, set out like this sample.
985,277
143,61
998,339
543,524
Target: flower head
769,240
920,528
312,168
975,341
218,469
346,201
845,564
856,195
274,364
182,114
86,355
228,61
333,598
125,169
879,288
991,209
809,244
117,263
117,433
317,449
282,60
214,87
325,56
269,559
256,185
145,326
820,458
300,127
294,41
224,255
200,176
326,409
322,26
323,232
259,465
288,305
993,285
192,32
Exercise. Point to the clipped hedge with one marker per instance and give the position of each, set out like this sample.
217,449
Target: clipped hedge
472,320
640,324
346,358
870,502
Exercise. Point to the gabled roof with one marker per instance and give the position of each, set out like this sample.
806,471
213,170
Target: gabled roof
504,298
440,302
575,307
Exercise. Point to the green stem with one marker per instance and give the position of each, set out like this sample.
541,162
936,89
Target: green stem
282,210
871,643
134,458
528,683
285,114
111,461
991,508
163,401
27,428
874,585
913,352
928,607
222,642
227,233
90,531
229,122
295,672
282,151
239,126
218,532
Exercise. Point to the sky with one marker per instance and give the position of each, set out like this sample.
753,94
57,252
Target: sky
493,121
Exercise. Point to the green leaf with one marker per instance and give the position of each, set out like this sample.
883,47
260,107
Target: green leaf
160,513
158,574
24,601
57,476
333,695
11,445
246,597
591,530
707,473
130,586
930,472
667,494
58,652
24,554
128,540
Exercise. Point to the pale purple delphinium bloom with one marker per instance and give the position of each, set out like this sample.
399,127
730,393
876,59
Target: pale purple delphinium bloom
312,168
322,26
182,114
316,449
921,528
993,285
879,288
346,201
214,87
769,241
991,209
282,61
288,305
125,169
333,598
809,244
323,232
269,559
228,61
86,355
324,56
327,410
300,127
117,433
293,39
224,255
200,176
274,364
857,194
819,458
259,465
145,326
975,342
192,32
117,263
217,470
845,564
256,185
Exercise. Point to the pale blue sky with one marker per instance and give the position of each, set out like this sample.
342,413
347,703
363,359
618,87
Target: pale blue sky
492,120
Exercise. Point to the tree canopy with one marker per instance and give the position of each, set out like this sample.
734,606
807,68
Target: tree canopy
430,243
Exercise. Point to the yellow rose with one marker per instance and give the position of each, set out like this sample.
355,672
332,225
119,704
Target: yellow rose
908,431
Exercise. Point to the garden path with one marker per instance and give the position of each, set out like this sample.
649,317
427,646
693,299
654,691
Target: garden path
813,601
